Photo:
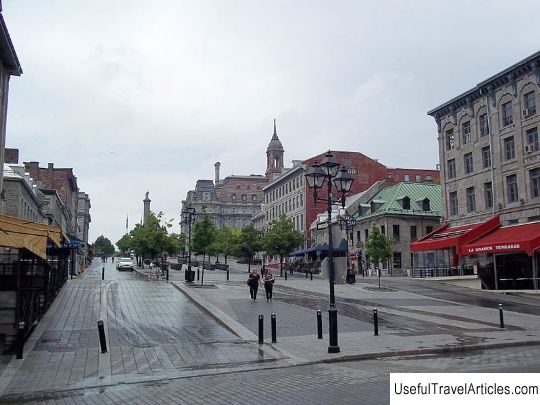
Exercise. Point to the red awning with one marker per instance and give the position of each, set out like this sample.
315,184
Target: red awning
446,237
508,239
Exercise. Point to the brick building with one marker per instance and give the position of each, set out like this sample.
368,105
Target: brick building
65,183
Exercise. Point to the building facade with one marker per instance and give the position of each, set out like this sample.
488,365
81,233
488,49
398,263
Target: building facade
490,161
65,183
83,216
9,66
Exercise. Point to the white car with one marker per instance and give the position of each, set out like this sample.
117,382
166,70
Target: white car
125,263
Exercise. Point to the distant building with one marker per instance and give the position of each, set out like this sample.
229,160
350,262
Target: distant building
232,201
83,216
65,183
22,199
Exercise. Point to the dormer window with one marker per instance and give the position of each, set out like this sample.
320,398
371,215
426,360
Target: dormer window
373,208
406,202
425,204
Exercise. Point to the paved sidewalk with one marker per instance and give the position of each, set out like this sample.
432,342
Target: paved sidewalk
153,333
409,323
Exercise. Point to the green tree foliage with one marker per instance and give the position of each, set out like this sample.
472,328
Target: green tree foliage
103,246
203,235
378,246
124,244
152,238
249,243
281,239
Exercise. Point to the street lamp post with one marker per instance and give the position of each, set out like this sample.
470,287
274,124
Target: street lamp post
329,170
188,215
348,222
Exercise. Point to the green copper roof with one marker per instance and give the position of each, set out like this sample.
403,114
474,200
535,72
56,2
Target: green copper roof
389,200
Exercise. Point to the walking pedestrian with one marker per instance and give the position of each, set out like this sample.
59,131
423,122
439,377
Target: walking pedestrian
269,280
253,282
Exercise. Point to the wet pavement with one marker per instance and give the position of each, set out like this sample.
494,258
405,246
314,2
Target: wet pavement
153,332
157,333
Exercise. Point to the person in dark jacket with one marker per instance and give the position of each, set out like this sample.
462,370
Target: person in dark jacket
253,282
269,284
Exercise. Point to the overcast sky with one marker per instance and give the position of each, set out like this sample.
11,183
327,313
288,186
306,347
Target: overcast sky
148,95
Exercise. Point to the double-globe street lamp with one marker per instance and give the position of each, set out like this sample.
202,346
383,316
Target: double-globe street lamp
188,216
329,171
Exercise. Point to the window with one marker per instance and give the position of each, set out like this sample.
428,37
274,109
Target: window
233,197
450,139
532,140
358,235
534,175
425,204
254,197
509,148
406,203
366,233
429,229
512,188
413,233
486,157
243,197
383,230
451,168
484,125
529,104
395,232
397,260
453,203
471,200
488,194
406,177
466,132
468,162
418,179
507,114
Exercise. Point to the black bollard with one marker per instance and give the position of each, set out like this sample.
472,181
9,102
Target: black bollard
375,322
285,275
20,340
501,316
273,324
319,324
102,342
197,274
167,273
306,274
311,275
261,328
103,273
227,274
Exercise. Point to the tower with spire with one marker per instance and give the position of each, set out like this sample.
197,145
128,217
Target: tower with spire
274,155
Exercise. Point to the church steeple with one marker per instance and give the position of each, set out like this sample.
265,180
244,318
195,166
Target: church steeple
274,154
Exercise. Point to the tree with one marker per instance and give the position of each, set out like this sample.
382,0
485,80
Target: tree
103,246
202,238
125,242
249,242
378,248
281,239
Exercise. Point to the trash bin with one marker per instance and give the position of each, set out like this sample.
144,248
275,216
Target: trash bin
190,275
351,278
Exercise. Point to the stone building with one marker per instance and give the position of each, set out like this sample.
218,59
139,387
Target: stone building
65,183
232,201
288,193
22,199
83,216
9,66
489,153
404,212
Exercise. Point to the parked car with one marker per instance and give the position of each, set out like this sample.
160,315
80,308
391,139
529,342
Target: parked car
125,263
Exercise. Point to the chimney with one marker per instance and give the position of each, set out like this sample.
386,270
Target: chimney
216,169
